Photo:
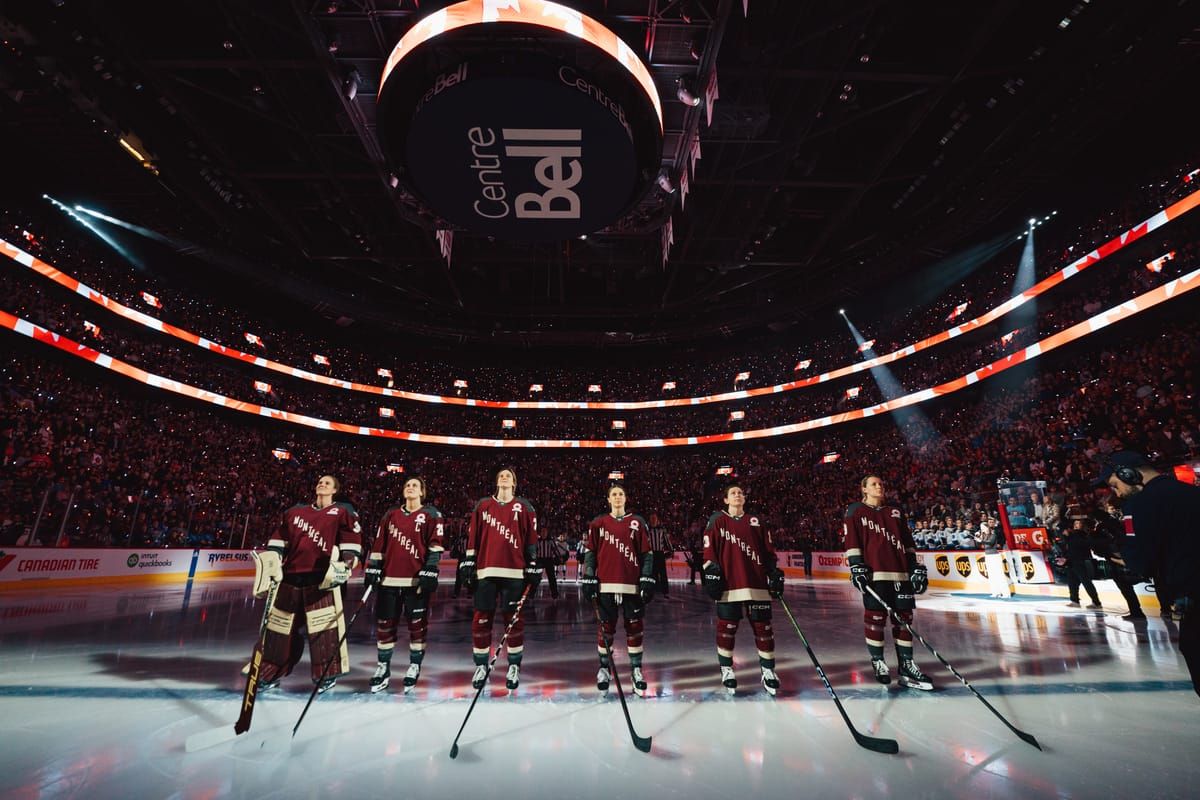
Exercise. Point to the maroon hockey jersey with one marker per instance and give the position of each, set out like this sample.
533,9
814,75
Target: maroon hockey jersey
880,536
742,547
498,535
308,534
619,544
403,541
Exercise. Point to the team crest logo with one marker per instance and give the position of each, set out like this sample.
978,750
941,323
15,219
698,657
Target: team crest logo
633,526
942,563
754,522
1027,567
333,512
421,519
895,513
517,509
963,565
981,565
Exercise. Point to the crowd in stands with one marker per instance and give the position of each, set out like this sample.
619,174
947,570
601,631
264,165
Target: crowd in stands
91,462
93,459
33,298
63,243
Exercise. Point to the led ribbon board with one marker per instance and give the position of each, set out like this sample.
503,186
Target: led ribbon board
1129,308
520,120
1135,233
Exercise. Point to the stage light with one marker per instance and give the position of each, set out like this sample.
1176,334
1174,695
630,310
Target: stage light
842,311
686,94
1032,221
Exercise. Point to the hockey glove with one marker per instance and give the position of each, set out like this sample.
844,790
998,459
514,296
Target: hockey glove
466,571
589,587
860,576
338,574
920,579
427,579
533,574
775,583
373,575
646,587
714,581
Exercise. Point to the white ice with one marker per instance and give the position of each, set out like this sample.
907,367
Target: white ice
101,688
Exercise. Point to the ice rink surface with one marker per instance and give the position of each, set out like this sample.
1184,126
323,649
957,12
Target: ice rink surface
101,688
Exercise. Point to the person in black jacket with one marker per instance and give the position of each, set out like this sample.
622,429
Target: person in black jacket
1163,542
1106,543
1081,567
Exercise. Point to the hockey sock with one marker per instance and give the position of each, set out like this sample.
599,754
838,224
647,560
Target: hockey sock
726,635
724,661
481,636
604,660
904,647
635,659
417,628
385,638
764,640
606,631
516,637
874,622
634,634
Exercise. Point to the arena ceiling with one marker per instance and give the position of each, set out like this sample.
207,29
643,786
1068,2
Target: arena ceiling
852,142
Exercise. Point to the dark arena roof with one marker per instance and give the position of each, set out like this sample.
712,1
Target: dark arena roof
848,145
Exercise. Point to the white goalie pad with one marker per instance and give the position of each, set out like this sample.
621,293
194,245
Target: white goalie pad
268,568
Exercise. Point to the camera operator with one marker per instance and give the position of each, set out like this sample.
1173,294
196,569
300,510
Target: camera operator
1164,543
1106,543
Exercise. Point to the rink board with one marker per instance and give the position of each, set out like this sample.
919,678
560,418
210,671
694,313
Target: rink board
74,566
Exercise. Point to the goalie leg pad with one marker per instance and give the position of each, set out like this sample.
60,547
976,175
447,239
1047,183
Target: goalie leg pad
326,627
279,639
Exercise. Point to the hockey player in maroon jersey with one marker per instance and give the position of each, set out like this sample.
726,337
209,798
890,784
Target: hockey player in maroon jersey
618,567
403,563
741,573
881,554
319,544
501,559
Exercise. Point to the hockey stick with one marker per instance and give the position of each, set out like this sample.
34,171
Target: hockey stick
640,742
492,663
337,651
889,746
263,625
251,691
1025,737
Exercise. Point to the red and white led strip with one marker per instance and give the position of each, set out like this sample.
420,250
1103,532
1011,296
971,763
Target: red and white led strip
1135,233
1117,313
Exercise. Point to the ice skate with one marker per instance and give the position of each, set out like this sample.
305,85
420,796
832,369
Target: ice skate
381,678
481,673
770,681
602,679
728,679
639,682
912,677
513,679
410,677
882,673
